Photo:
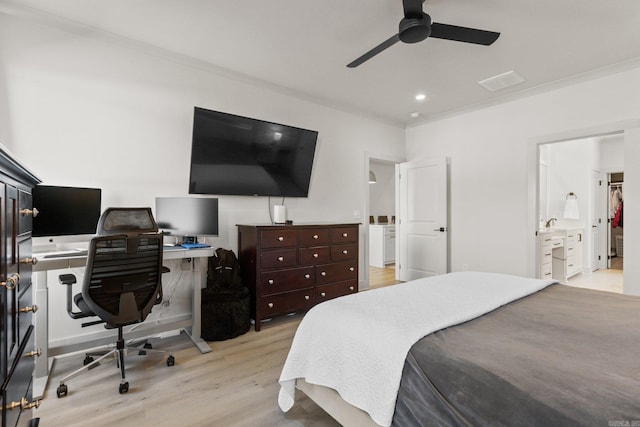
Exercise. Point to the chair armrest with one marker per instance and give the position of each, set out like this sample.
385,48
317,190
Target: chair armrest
68,280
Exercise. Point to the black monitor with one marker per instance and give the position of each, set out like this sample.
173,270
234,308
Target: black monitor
65,214
187,216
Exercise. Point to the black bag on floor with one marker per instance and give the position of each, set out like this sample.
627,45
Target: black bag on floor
225,300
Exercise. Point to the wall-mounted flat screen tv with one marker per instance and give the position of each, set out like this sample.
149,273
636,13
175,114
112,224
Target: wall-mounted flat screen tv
235,155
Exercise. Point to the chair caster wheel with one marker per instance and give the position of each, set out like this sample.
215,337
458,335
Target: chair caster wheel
87,360
146,345
124,388
171,361
61,391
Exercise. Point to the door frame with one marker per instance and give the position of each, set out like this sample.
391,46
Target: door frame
629,128
368,156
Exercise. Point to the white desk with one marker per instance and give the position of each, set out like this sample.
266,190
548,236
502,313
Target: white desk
191,261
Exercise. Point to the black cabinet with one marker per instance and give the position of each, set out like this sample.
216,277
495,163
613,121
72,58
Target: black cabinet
17,350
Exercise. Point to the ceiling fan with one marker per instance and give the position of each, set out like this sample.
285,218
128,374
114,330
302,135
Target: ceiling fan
417,26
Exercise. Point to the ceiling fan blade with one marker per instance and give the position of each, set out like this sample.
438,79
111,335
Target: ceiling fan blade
463,34
376,50
412,8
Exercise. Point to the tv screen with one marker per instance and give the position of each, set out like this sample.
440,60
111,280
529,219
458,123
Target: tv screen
187,216
65,211
235,155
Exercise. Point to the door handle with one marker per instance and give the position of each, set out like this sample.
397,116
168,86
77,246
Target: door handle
441,229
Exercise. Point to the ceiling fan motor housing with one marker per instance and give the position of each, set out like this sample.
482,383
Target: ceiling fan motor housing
413,30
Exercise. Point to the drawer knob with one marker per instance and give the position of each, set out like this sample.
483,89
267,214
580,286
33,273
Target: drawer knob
270,305
307,276
315,237
281,239
324,273
33,212
270,281
306,297
280,258
322,294
11,282
350,288
316,255
34,353
345,235
345,251
33,261
351,269
33,308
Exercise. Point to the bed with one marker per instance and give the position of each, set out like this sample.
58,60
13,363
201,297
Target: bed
470,349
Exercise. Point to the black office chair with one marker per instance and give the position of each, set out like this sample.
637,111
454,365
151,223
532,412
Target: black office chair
122,281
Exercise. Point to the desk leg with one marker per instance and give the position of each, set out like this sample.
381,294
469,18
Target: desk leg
198,281
41,297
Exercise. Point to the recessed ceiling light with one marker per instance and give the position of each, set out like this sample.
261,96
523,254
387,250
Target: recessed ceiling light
415,114
421,97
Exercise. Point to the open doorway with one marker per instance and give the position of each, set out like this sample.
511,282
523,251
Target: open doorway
576,241
380,220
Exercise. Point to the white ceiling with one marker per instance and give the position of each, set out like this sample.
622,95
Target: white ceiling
302,46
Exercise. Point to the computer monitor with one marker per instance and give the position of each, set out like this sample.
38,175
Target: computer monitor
187,216
65,214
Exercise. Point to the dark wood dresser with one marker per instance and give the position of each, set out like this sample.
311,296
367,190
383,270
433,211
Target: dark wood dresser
17,352
291,268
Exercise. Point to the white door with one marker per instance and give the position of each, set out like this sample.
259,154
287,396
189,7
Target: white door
598,194
422,209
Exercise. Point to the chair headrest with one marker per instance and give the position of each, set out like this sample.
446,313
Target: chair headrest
129,221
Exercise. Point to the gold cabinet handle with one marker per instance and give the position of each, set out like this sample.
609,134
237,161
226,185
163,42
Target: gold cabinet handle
345,251
33,212
34,353
281,239
22,404
324,273
32,308
280,258
11,282
315,237
350,288
307,276
33,261
344,234
306,297
270,281
322,294
316,255
270,305
351,269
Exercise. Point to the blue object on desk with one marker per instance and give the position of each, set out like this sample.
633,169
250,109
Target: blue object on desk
195,245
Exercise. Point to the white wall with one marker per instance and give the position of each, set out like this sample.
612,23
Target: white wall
88,112
493,168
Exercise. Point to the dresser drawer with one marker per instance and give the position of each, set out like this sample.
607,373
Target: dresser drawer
338,272
344,235
313,236
314,255
25,265
273,282
278,238
287,302
327,292
546,270
279,258
343,252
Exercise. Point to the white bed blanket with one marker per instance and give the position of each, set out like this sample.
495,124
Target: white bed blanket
357,344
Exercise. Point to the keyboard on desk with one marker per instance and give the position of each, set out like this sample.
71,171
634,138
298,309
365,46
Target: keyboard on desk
61,254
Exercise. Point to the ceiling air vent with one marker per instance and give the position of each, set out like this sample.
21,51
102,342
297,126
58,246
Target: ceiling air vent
501,81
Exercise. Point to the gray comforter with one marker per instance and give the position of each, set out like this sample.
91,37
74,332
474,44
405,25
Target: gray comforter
563,356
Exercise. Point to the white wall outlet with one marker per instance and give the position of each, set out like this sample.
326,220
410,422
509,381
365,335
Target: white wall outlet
356,214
